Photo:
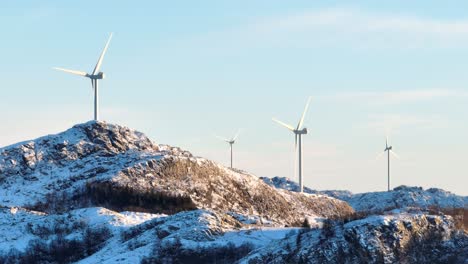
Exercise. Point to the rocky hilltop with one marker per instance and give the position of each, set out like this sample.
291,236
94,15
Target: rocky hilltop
104,193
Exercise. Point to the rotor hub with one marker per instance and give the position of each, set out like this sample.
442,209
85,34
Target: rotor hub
303,131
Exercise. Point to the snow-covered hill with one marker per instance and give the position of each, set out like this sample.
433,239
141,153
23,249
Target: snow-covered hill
404,196
399,197
103,193
100,164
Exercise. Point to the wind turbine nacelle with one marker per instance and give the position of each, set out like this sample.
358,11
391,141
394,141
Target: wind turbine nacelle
304,131
98,76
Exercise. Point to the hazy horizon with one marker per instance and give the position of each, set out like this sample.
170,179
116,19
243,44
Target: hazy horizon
184,73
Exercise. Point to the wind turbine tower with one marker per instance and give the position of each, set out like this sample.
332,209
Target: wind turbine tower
389,150
298,132
95,76
231,142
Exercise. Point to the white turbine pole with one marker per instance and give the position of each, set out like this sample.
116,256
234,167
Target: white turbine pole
96,100
296,157
231,153
388,169
301,183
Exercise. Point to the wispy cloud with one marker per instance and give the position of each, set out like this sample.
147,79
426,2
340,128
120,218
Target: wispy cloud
353,20
363,28
400,96
391,124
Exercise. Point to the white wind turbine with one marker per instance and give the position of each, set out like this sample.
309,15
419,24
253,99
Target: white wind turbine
298,132
389,150
231,142
94,76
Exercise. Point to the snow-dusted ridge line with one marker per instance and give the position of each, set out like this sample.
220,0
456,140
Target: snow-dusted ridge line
399,197
68,134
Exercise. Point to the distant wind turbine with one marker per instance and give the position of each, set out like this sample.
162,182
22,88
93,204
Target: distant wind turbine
94,76
231,142
389,150
298,132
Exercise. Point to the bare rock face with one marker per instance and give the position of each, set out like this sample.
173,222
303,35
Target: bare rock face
101,164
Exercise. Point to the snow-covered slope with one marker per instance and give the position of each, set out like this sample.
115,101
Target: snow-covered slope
400,197
205,236
19,226
129,237
100,164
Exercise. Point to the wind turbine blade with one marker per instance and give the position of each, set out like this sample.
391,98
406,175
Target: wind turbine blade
223,139
295,142
394,154
80,73
98,64
379,155
236,136
386,142
284,124
301,122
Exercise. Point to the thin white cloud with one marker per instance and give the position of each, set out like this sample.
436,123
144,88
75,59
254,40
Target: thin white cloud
353,20
401,96
337,27
394,123
363,28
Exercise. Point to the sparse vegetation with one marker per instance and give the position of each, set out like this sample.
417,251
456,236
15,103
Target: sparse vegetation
130,199
60,227
59,249
115,198
176,253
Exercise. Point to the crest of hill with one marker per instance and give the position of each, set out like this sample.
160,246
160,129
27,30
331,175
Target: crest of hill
399,197
101,164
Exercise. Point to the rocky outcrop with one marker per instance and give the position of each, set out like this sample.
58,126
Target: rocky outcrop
404,238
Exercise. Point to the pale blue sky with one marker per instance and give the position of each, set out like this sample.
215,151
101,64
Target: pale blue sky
181,71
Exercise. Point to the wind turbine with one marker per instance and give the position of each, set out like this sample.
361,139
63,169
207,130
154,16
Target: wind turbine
298,132
389,150
94,76
230,142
